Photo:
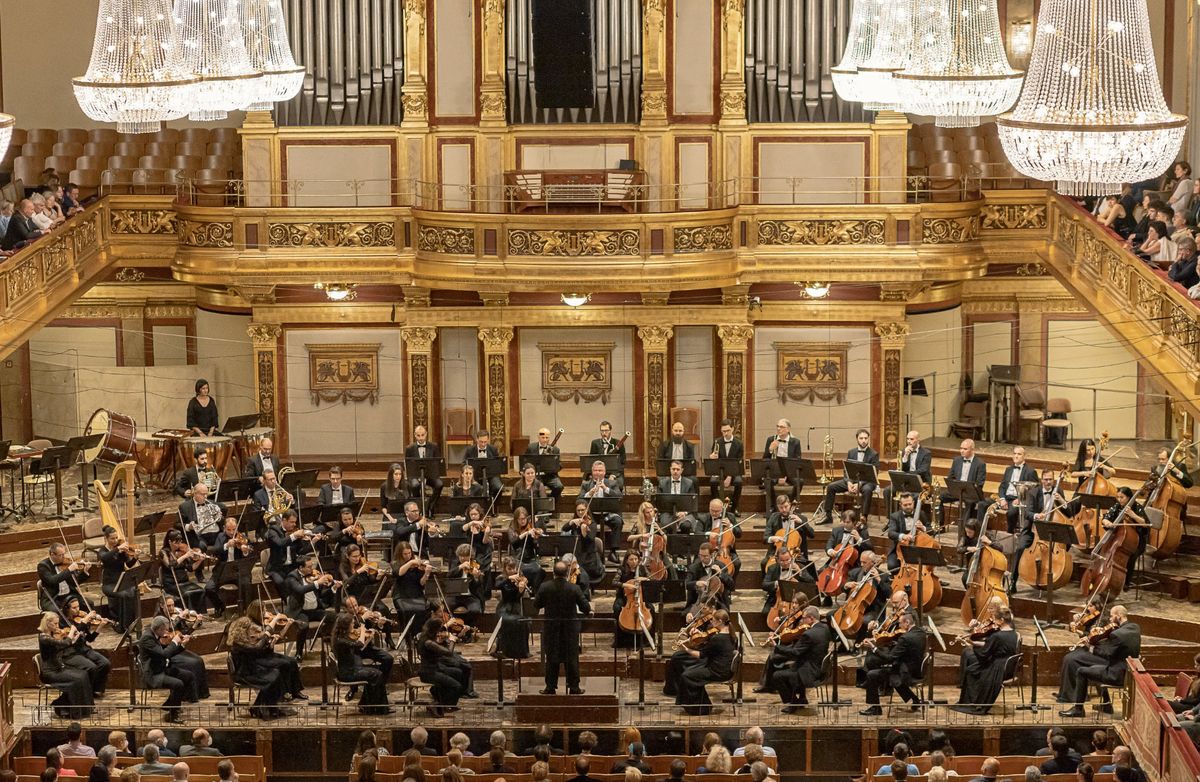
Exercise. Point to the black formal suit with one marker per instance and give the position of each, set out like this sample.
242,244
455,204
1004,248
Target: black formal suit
173,667
273,674
1037,502
225,570
666,448
920,462
1178,473
802,666
731,449
1106,665
562,604
1008,491
976,474
839,534
326,495
189,514
57,585
794,449
866,455
495,485
981,674
897,666
20,229
686,675
602,447
612,488
687,485
774,526
897,525
883,589
305,611
697,571
285,554
256,466
187,479
434,482
549,479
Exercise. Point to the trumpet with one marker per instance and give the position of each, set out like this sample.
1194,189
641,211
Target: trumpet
827,461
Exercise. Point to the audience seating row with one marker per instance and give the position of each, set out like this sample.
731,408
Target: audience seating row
398,776
968,765
947,156
597,764
249,767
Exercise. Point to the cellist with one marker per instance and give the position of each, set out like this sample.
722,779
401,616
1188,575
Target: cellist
719,519
784,568
701,572
780,524
902,527
779,654
869,568
852,528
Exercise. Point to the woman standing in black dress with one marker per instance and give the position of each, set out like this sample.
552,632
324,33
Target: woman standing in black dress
202,412
439,669
54,644
392,490
408,592
347,648
513,639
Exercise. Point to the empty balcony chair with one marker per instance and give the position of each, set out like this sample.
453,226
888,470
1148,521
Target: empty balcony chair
37,149
187,161
210,187
193,135
945,182
130,148
103,136
192,148
167,135
180,176
123,162
72,135
101,149
222,163
225,136
224,148
88,181
161,162
68,148
19,137
48,136
161,148
151,181
28,169
61,163
116,181
92,162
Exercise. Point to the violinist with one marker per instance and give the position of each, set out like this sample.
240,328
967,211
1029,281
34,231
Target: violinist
803,661
255,661
705,576
717,524
350,639
466,485
230,547
1015,473
1038,504
81,655
478,530
1176,470
310,597
182,574
888,619
360,578
422,448
58,576
777,658
167,664
379,623
589,550
785,568
439,669
121,589
902,527
897,666
288,543
335,492
712,662
346,531
465,567
631,568
512,641
414,529
408,589
869,567
779,528
1134,516
861,452
1103,659
521,538
55,643
394,489
527,486
184,622
577,576
599,484
983,661
728,447
543,447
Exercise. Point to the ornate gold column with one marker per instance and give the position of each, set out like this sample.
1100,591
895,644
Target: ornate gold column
735,342
654,63
491,92
265,337
495,384
418,343
415,92
733,54
655,371
891,347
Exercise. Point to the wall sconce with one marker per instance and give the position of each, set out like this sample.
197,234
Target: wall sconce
576,299
816,290
335,292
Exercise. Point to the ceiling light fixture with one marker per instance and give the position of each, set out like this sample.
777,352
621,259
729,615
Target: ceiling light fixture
576,299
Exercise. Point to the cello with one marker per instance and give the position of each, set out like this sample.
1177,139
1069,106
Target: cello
919,579
1170,497
1044,564
849,616
985,578
635,614
1087,520
775,615
833,575
1112,555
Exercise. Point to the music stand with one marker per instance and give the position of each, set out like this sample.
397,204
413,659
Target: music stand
861,472
252,521
457,505
612,463
147,525
240,423
1101,502
798,470
902,482
684,546
534,506
924,557
557,545
294,484
82,443
237,571
963,492
424,470
662,467
674,503
1054,533
486,469
444,545
55,460
543,463
237,489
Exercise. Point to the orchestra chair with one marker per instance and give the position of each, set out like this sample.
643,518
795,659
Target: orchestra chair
690,418
43,689
827,674
1031,409
36,477
339,682
1012,676
731,683
413,686
970,423
1056,406
460,426
237,686
919,681
145,691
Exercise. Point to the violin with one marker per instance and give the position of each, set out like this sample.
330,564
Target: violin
886,633
324,579
791,627
1096,635
362,634
1083,618
368,567
698,632
92,619
70,563
979,632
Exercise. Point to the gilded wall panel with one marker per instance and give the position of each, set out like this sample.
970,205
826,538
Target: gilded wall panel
378,234
205,235
949,230
820,232
1008,217
574,243
703,238
142,221
446,240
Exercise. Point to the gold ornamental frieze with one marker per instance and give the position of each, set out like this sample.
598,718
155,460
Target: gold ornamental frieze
949,230
703,238
571,243
820,232
142,221
446,240
375,234
205,235
1012,217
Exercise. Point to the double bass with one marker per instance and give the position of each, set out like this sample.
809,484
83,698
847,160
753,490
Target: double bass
985,578
1044,565
1168,496
1112,555
1087,520
919,579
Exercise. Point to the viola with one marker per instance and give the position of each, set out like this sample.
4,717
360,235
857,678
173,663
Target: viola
979,632
1084,617
1096,635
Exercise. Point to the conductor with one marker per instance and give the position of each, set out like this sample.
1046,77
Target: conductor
561,603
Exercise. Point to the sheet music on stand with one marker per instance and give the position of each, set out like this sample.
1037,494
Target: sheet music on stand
846,643
745,630
937,634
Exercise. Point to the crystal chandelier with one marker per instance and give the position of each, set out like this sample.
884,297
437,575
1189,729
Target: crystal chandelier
891,53
959,70
270,53
214,50
7,122
134,78
864,23
1091,115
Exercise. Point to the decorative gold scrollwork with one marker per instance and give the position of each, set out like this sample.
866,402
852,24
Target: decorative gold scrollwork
205,235
141,221
949,230
1009,217
703,239
820,232
381,234
443,239
573,243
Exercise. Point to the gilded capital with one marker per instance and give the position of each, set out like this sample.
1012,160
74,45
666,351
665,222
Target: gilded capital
263,334
419,339
735,336
415,10
655,338
892,334
495,340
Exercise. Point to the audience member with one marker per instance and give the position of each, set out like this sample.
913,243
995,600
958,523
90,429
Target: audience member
366,767
75,748
452,774
1050,734
898,770
150,762
754,735
419,736
54,760
1085,773
1122,756
454,759
180,771
936,774
41,218
8,775
201,745
119,743
1065,759
718,761
462,742
1183,270
939,742
753,754
159,739
226,772
1100,741
48,775
632,774
130,775
539,771
366,743
6,213
496,757
106,763
582,765
541,752
637,751
900,753
1033,774
500,739
587,742
710,740
542,737
988,770
70,200
759,772
1181,196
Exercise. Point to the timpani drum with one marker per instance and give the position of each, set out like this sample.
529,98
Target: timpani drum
155,455
219,449
120,434
246,444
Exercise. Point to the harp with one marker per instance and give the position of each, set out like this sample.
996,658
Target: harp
123,473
